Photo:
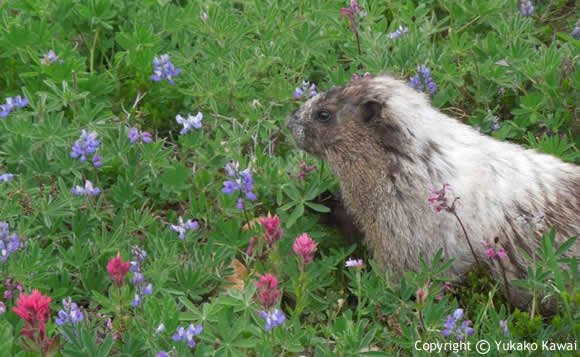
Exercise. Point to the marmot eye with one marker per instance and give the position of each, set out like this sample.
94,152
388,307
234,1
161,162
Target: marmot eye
323,115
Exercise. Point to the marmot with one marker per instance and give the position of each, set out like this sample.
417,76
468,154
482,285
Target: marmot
389,146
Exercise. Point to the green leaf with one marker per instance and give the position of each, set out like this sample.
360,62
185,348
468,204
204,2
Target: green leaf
317,207
297,213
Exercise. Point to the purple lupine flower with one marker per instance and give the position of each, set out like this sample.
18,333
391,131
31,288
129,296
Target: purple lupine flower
147,289
133,266
163,68
240,204
526,8
427,82
464,330
160,328
187,334
12,103
232,168
352,263
97,161
416,83
273,318
504,325
20,102
71,313
6,177
85,145
306,87
181,227
4,110
191,122
400,31
135,135
162,354
494,120
138,253
8,242
2,308
88,190
49,57
576,33
241,181
461,331
136,300
137,278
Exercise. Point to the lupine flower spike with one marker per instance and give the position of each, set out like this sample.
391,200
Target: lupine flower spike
241,181
452,325
70,313
88,190
86,145
138,281
273,318
191,122
187,334
135,135
181,227
526,8
49,57
417,83
8,242
164,69
6,177
398,32
504,326
12,103
306,90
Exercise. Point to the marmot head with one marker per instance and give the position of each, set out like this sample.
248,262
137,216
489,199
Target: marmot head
359,117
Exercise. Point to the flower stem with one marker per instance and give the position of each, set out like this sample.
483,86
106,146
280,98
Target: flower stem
92,53
466,237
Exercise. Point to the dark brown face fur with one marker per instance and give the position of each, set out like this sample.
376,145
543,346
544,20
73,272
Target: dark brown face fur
348,119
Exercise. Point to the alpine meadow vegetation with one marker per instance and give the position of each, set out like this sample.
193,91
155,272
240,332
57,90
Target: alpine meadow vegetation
131,226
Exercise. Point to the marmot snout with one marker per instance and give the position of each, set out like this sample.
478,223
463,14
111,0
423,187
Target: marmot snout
389,146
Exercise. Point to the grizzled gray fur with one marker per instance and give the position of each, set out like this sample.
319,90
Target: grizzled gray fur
389,147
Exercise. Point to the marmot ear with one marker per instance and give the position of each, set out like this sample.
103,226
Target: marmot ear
371,110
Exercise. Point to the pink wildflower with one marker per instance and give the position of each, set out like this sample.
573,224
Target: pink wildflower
268,292
35,310
117,269
501,252
250,250
490,253
305,247
271,229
